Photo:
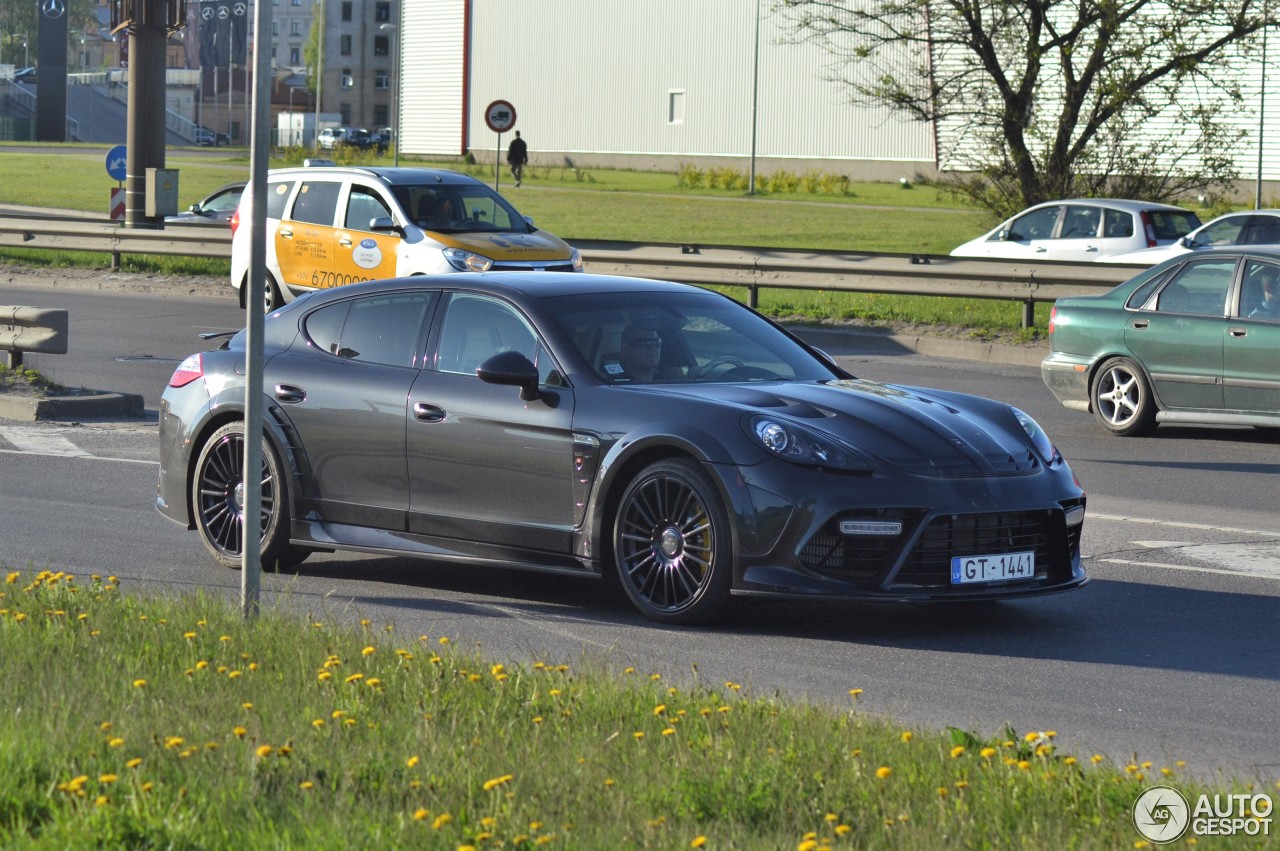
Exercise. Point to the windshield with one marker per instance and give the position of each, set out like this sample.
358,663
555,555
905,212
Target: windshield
645,338
454,208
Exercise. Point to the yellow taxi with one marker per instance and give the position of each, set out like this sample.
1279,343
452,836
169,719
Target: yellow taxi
329,225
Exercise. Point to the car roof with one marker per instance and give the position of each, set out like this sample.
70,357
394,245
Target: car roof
1116,203
391,175
512,283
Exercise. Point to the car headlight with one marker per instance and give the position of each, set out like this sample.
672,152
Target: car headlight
467,261
800,445
1039,439
575,258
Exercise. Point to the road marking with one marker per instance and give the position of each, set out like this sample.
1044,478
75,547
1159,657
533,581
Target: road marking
87,455
1192,568
1207,527
39,441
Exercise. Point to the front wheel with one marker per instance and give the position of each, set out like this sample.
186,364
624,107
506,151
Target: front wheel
672,544
217,494
1122,399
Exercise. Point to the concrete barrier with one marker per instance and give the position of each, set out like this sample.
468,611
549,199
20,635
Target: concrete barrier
42,330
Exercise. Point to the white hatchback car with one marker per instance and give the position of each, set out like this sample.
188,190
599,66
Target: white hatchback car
1084,229
1249,227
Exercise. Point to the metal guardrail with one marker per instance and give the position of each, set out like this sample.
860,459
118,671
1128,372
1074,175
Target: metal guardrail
751,268
42,330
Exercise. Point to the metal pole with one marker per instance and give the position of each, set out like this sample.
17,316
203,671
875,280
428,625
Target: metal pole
497,164
1262,108
315,135
755,102
399,69
260,152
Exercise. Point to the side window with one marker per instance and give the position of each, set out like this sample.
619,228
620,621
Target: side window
1117,224
1037,224
1200,289
1081,222
363,206
1264,230
378,329
277,197
477,327
1260,291
1225,232
316,203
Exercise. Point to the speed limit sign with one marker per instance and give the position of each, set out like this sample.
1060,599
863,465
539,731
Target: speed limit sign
500,116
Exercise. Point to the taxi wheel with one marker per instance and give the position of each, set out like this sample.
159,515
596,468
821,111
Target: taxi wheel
271,298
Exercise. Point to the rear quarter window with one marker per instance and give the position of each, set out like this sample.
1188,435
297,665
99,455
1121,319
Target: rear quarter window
277,196
1172,224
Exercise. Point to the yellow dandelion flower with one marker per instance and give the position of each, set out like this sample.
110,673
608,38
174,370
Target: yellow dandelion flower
638,735
962,784
139,683
441,821
420,814
148,786
1166,771
201,665
555,692
883,772
807,845
115,743
1069,761
537,719
495,782
957,751
368,651
354,678
444,639
843,830
374,682
497,669
655,677
12,578
101,801
987,753
324,675
1146,766
188,635
1096,758
1032,737
698,842
365,622
855,692
264,750
172,742
488,822
608,781
133,763
906,735
1024,765
415,784
305,785
224,638
628,670
535,826
233,674
239,732
108,778
670,731
318,723
659,709
942,791
724,709
411,761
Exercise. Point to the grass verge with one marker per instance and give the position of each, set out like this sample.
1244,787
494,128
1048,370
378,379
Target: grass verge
158,722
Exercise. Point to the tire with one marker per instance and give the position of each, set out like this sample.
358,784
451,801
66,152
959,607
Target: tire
1122,400
217,496
271,298
672,544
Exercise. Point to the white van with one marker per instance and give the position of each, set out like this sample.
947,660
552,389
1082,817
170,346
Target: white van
328,226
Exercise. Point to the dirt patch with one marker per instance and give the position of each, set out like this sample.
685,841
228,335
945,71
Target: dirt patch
106,280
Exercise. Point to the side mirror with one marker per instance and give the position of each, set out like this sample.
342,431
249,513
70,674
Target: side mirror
381,223
194,208
511,368
1187,242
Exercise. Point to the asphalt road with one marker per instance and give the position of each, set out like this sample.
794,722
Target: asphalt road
1170,653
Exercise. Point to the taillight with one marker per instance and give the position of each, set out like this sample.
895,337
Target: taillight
1053,314
1149,229
235,221
188,371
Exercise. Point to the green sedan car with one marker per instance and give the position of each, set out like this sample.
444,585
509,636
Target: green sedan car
1193,340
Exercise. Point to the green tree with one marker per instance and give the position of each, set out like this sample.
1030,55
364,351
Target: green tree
1043,99
311,54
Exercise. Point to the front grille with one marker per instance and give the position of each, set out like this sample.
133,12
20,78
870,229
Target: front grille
533,266
962,466
928,565
856,558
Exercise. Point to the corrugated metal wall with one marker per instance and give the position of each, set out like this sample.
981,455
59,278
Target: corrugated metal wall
433,90
662,77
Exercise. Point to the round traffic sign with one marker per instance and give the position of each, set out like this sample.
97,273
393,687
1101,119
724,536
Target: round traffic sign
117,162
500,116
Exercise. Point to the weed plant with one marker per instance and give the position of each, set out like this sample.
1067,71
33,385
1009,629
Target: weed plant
170,722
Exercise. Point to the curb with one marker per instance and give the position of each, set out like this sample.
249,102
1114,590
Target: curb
845,342
88,406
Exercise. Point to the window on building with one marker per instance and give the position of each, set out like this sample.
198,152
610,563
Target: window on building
381,80
295,27
275,27
381,45
344,45
347,80
346,11
675,106
381,115
345,111
382,12
295,56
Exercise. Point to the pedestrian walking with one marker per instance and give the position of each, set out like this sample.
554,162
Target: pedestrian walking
517,156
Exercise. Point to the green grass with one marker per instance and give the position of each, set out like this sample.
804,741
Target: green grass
168,722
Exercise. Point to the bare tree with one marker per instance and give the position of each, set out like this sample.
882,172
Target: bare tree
1041,99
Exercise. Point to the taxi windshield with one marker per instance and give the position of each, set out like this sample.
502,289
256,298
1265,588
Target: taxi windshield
459,209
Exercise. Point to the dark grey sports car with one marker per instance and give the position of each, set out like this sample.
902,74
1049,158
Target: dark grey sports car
602,426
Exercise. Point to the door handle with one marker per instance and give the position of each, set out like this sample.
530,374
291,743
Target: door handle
289,394
427,413
345,242
1041,250
1238,331
285,233
1139,324
1091,248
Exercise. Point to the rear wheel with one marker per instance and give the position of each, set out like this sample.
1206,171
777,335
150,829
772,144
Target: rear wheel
1122,400
672,544
271,298
217,494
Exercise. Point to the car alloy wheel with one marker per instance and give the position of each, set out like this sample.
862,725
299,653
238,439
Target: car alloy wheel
217,496
672,543
1122,400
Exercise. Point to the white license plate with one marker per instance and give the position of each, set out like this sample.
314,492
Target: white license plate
1006,567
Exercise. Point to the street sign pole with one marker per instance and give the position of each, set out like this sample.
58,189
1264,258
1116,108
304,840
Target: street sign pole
501,117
